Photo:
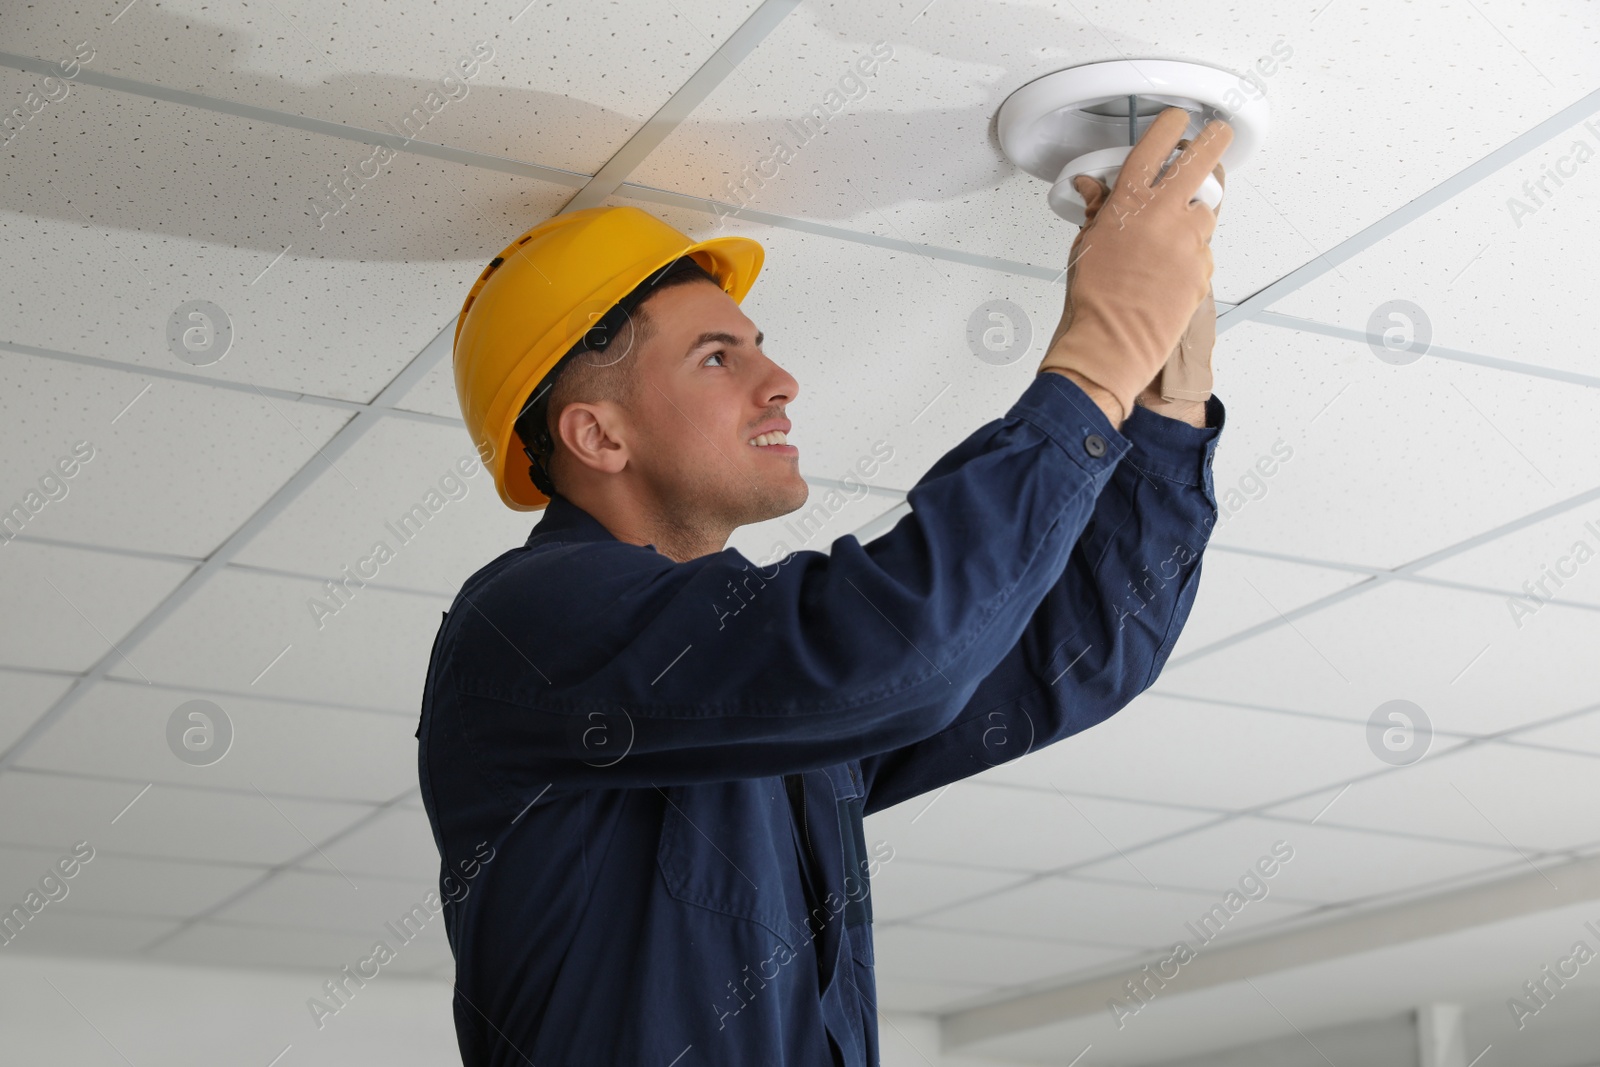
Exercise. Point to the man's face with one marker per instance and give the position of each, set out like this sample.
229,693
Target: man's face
707,389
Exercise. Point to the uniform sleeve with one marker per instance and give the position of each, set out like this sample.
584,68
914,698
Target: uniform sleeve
608,664
1104,629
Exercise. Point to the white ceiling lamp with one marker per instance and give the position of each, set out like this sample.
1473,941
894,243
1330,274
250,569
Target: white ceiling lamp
1085,120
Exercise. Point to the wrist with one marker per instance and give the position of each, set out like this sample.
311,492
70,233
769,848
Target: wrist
1103,398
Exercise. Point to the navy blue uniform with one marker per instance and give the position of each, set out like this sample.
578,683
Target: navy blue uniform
659,800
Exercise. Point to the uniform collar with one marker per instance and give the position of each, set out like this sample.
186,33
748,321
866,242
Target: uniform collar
565,521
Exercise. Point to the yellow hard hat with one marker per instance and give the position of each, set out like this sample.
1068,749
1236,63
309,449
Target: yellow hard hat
538,299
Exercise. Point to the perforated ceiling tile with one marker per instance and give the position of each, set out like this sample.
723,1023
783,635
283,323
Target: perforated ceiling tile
905,888
155,464
1197,753
398,843
27,697
236,945
982,825
907,149
1136,917
1548,561
418,490
120,729
151,205
1239,590
559,82
250,632
166,821
1453,654
1505,270
115,883
952,956
81,604
325,900
1322,864
1479,794
1393,463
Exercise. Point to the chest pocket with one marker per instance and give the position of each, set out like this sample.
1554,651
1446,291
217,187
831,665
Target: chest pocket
729,847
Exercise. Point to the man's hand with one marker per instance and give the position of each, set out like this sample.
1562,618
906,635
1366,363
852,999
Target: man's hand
1134,284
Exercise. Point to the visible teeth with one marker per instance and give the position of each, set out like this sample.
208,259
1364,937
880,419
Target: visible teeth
776,437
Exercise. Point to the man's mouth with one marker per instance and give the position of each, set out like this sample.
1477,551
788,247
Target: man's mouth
775,441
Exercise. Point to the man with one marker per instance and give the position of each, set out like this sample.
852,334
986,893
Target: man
659,797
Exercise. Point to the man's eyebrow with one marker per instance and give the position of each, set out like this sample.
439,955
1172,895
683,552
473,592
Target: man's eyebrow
718,337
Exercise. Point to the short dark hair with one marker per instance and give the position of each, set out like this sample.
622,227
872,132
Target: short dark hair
587,374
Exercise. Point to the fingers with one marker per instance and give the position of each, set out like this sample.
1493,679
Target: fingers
1094,193
1189,171
1144,161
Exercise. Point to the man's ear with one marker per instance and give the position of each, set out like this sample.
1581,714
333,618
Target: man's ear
595,435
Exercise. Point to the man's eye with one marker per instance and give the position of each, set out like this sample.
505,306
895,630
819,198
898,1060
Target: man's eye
715,355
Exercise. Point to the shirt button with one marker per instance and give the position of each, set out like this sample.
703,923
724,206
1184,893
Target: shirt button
1095,445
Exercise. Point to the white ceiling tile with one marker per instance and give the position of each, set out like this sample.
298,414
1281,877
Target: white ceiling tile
396,844
896,993
81,604
326,900
117,883
1390,463
401,486
979,825
964,958
27,696
1452,653
173,466
205,205
90,935
1128,916
365,65
435,391
872,168
1579,733
234,945
903,888
166,821
1192,752
120,729
1238,590
231,634
1329,864
1498,271
1549,560
1490,794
